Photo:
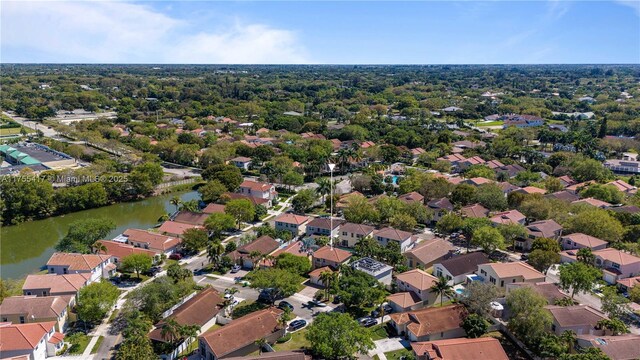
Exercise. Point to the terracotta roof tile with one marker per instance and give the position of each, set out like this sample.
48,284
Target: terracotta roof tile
120,250
32,306
417,278
190,217
464,264
393,234
177,228
77,262
461,349
213,208
17,337
585,240
404,299
431,320
576,315
431,250
332,254
56,284
292,219
155,241
505,270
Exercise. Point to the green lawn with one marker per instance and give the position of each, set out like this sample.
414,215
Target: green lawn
298,341
79,342
247,307
191,348
396,355
14,131
379,332
97,345
490,123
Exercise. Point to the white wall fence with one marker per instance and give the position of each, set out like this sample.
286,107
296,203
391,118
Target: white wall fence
185,344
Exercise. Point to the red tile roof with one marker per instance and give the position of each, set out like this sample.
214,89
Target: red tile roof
56,284
417,278
292,219
213,208
460,349
431,320
256,186
20,337
120,250
332,254
77,262
155,241
175,228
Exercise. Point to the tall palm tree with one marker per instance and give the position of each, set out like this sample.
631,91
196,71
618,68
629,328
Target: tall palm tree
326,277
170,330
214,250
284,318
255,257
324,187
98,247
189,332
176,201
442,288
262,342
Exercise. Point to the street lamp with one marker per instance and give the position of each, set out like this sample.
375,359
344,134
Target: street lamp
331,167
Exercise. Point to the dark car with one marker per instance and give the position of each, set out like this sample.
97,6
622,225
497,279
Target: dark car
175,256
297,325
369,322
285,305
524,257
377,312
235,268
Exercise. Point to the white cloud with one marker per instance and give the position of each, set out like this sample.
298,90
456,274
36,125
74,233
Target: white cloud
123,32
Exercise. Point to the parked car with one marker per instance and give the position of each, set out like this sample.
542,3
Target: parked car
369,322
316,303
285,305
387,310
175,256
297,325
235,268
524,257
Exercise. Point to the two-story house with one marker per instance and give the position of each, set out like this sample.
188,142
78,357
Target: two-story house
428,252
459,349
118,251
508,217
30,309
440,208
263,245
501,274
617,264
258,190
389,234
577,241
323,227
351,233
160,244
35,341
95,266
414,290
241,162
295,224
539,229
65,286
330,256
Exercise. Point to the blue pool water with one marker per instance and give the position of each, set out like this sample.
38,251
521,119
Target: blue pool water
394,179
460,291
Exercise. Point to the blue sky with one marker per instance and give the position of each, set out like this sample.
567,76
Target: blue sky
324,32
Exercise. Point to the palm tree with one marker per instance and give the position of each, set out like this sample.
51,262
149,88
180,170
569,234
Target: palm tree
189,332
568,337
232,291
170,330
214,250
98,247
327,278
262,342
324,187
442,288
176,201
255,257
284,318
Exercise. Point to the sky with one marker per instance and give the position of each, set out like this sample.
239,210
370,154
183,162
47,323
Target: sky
321,32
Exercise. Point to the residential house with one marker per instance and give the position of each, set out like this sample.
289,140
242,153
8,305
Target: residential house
507,188
460,349
380,271
626,284
623,166
404,301
324,227
522,121
474,211
35,341
456,269
95,266
65,286
563,195
539,229
30,309
453,159
468,162
624,187
315,276
118,251
238,338
258,190
576,188
160,244
501,274
617,264
567,180
623,347
548,290
254,200
330,256
213,209
241,162
412,197
263,245
191,218
295,224
433,323
477,181
530,190
466,144
201,309
388,234
440,208
428,253
418,282
508,217
577,241
581,319
176,229
276,355
593,202
344,200
510,170
351,233
494,164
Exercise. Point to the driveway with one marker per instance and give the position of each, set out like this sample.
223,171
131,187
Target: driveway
386,345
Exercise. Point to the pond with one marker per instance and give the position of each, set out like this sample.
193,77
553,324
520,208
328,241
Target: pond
26,247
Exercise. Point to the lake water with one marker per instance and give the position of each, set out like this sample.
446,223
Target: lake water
26,247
